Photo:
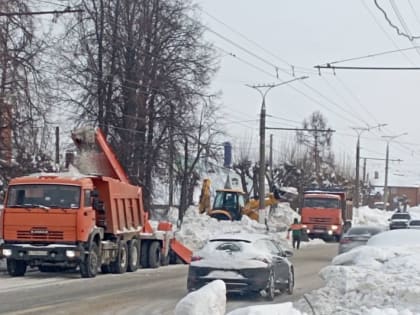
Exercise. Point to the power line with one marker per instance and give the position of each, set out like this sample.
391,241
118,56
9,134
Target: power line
383,30
395,27
292,67
374,55
329,66
55,12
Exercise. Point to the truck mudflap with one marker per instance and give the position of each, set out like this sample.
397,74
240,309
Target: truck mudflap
53,254
181,251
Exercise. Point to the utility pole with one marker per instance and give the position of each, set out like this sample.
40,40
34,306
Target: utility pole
263,90
57,146
389,139
359,131
271,159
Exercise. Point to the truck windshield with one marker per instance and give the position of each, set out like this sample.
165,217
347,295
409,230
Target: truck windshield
44,196
321,203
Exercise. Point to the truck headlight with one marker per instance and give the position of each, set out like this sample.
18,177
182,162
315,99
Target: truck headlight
70,253
334,227
330,232
7,252
304,226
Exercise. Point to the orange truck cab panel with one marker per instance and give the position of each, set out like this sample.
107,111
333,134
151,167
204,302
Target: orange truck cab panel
323,214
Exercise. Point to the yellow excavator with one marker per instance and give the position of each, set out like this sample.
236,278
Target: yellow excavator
229,203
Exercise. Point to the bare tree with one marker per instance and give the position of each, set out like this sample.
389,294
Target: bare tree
317,140
137,66
203,142
23,91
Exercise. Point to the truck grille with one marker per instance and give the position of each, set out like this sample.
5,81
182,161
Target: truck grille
45,235
320,220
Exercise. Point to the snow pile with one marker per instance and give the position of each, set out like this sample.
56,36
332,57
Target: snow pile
209,300
284,308
382,277
367,216
197,228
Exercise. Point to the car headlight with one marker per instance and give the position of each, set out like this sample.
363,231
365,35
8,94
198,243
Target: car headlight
70,253
7,252
334,227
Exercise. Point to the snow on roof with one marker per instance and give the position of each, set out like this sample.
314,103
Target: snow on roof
396,180
248,237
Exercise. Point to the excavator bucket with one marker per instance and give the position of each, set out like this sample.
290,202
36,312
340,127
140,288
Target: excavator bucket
181,251
95,156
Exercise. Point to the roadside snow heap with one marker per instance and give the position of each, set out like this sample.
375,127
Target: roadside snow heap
209,300
382,277
197,228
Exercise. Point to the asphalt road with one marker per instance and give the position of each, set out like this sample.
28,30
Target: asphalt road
147,291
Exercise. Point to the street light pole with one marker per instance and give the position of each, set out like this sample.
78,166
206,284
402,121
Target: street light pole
263,90
390,138
359,131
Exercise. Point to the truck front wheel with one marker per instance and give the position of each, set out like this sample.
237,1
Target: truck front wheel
89,266
16,268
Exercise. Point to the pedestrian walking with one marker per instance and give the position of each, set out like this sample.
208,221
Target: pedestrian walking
296,229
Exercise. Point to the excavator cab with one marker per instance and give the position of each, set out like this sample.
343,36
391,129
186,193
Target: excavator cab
228,204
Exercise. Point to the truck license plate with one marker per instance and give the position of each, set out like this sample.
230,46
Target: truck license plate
37,253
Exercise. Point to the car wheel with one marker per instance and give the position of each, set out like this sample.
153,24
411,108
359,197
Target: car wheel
270,290
290,282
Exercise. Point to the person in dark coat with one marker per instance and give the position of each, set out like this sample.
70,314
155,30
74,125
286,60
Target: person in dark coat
296,229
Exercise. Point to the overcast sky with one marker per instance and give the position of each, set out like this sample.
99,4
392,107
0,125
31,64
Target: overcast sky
254,37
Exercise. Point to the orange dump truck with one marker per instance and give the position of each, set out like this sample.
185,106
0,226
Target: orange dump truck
326,214
92,218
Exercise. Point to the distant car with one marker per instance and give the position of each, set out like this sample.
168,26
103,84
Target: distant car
399,220
414,224
381,205
245,262
357,236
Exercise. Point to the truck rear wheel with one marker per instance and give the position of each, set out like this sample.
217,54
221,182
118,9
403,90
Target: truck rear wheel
89,267
144,254
133,255
121,263
154,255
16,268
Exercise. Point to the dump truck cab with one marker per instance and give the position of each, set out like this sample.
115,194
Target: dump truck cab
325,213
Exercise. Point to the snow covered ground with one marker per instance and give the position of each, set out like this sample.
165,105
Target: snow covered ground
382,277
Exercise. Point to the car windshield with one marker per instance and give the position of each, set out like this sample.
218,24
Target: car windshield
403,216
44,196
321,203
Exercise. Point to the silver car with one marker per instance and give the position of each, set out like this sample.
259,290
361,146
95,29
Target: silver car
414,224
357,236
